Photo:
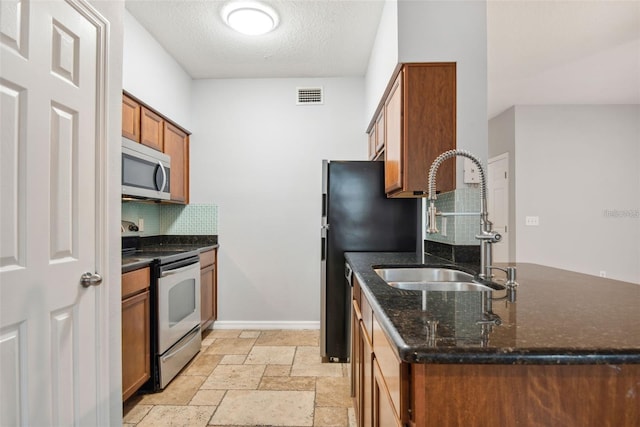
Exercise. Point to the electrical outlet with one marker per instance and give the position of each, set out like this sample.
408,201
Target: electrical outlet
140,224
532,220
603,273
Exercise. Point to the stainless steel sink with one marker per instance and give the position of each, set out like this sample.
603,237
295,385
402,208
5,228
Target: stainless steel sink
430,279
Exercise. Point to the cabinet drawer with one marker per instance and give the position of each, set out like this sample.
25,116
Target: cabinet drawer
390,365
207,258
135,281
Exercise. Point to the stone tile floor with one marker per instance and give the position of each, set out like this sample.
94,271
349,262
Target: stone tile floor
251,378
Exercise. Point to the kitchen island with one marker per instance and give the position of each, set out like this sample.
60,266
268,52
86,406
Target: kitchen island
566,352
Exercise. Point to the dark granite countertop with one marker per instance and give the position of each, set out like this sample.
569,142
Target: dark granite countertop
132,263
559,317
198,243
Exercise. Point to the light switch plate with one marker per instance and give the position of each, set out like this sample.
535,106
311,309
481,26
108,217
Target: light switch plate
471,174
532,221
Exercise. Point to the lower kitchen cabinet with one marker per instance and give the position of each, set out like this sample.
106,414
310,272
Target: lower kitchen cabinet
384,414
208,288
136,331
378,400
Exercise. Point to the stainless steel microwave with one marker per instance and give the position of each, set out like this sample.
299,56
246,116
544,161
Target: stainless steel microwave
145,172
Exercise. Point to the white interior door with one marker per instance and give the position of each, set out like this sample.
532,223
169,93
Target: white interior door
498,203
52,107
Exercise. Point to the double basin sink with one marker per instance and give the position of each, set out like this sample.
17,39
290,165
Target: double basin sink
443,279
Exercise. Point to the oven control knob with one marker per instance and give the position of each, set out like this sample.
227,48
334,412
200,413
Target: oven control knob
90,279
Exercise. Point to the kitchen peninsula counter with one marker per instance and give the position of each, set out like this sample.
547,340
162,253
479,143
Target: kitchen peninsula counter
559,317
565,353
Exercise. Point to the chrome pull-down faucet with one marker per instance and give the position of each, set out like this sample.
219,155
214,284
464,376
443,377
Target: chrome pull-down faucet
486,236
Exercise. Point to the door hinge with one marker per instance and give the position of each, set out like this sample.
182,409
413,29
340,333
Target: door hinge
505,174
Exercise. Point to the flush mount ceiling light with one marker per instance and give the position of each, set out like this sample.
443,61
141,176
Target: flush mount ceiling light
250,18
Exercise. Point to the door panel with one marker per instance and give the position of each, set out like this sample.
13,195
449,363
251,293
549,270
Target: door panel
12,173
498,204
52,59
63,188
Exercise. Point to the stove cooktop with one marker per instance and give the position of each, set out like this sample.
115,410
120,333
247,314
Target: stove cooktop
163,255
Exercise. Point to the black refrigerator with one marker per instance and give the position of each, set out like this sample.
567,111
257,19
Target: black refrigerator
357,216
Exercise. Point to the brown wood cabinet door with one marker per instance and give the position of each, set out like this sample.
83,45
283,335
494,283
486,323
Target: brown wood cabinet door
429,124
367,378
151,128
380,135
393,165
130,118
136,342
207,297
383,413
208,288
176,145
372,143
417,123
356,362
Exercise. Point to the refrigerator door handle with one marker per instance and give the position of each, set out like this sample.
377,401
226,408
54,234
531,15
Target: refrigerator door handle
324,205
324,231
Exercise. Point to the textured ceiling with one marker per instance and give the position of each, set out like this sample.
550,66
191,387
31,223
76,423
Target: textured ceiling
325,38
539,51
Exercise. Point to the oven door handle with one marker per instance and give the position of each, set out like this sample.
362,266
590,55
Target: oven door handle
186,343
177,270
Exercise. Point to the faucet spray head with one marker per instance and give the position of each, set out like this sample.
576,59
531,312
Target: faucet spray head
431,216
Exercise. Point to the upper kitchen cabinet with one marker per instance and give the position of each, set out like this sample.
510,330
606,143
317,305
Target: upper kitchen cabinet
176,145
147,126
151,127
419,123
130,118
376,138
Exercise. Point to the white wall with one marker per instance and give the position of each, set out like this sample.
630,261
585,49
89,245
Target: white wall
383,58
437,31
573,163
258,157
153,76
452,31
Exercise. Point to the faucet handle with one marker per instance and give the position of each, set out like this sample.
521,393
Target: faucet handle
490,236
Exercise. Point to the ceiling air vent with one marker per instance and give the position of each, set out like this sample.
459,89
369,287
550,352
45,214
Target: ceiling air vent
309,96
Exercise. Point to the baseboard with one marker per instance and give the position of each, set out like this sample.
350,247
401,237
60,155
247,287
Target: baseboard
263,325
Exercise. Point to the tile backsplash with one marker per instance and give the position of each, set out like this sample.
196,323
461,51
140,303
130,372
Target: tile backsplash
190,219
161,219
461,230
